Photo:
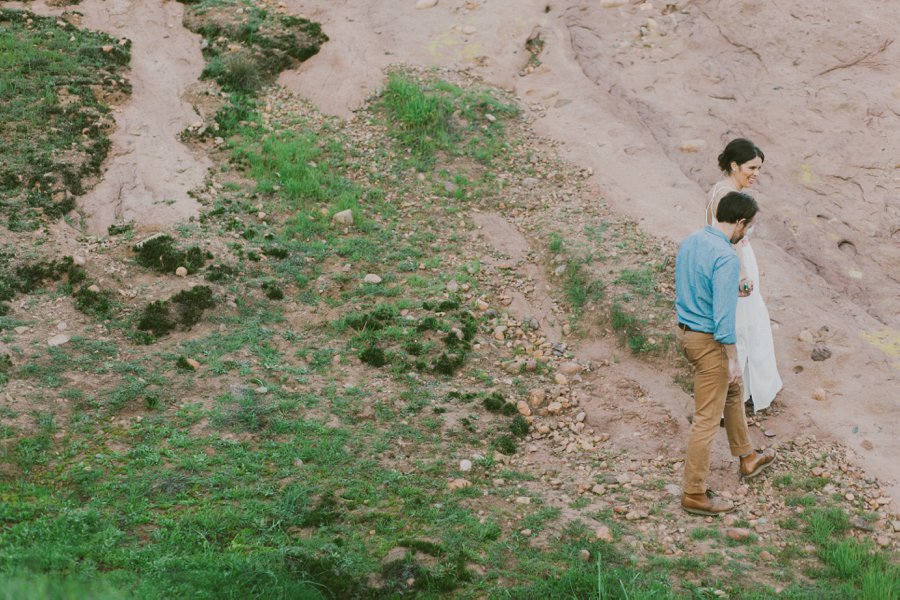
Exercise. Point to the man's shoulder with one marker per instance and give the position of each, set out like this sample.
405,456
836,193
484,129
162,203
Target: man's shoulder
706,237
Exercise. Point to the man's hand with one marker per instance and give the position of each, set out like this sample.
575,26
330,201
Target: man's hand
734,370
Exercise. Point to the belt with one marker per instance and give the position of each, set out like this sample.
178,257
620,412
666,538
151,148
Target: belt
684,327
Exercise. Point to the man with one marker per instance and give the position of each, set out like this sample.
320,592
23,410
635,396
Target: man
706,294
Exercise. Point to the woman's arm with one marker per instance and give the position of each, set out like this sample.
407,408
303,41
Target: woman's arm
745,285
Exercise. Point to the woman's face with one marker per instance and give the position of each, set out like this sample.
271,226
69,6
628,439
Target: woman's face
744,175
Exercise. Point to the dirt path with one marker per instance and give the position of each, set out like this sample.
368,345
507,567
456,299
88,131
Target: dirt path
148,173
645,95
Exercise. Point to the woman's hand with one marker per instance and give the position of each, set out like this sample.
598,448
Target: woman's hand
745,287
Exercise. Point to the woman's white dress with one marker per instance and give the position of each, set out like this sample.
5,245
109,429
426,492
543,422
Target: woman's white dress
755,347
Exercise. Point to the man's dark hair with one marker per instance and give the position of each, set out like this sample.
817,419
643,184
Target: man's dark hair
739,150
735,206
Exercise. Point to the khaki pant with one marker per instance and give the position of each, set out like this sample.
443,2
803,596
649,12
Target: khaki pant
712,396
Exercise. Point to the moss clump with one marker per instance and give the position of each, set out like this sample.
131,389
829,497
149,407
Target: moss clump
373,355
31,276
218,273
184,308
442,306
373,320
494,402
157,319
276,252
272,291
414,348
161,254
120,228
449,362
191,304
428,324
519,426
505,444
97,304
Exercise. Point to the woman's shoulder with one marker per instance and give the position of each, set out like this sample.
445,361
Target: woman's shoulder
720,188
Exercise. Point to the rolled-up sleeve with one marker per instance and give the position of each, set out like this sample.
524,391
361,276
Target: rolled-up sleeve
726,275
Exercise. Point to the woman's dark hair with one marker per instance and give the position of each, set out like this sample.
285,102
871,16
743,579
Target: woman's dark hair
735,206
739,150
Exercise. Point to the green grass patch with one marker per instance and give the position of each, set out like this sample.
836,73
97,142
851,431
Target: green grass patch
51,120
428,118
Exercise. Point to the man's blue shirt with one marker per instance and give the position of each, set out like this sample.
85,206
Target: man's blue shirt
707,272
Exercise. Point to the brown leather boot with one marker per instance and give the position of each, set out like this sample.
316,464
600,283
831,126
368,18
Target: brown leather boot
707,504
756,463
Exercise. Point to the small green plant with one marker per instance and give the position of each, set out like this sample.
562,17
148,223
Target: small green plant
373,355
504,444
272,291
640,280
494,402
99,304
184,309
27,277
555,244
120,228
157,319
219,273
579,288
160,254
519,426
238,72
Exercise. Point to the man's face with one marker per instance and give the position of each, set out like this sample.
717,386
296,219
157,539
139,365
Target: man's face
740,230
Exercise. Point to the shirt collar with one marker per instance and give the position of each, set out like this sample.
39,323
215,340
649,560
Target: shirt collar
715,231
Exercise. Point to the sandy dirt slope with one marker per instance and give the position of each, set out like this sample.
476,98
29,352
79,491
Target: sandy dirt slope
646,94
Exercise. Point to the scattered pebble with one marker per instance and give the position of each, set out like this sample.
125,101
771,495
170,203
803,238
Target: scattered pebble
737,534
820,352
603,534
58,340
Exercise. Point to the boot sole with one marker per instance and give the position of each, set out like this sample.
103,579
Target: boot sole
706,513
758,470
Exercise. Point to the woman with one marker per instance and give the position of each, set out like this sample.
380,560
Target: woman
741,161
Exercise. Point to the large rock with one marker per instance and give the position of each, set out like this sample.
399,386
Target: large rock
345,217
